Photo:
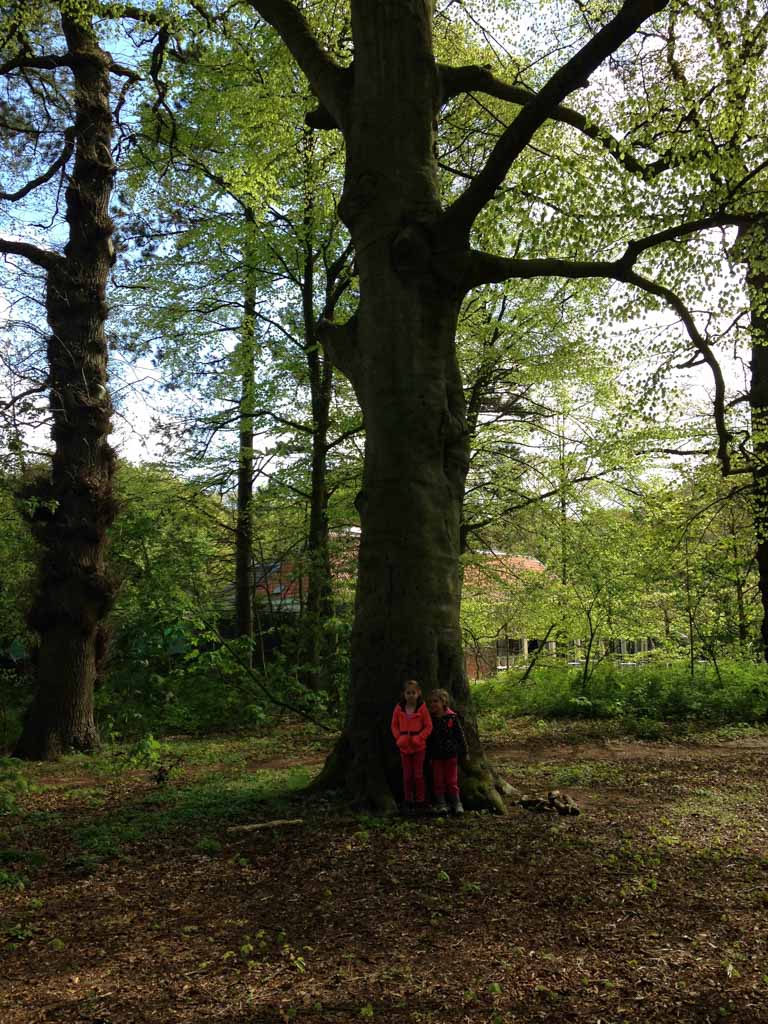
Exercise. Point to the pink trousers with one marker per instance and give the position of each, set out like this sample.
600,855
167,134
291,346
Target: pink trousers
445,777
413,775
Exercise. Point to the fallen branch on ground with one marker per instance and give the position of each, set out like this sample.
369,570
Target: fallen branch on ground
266,824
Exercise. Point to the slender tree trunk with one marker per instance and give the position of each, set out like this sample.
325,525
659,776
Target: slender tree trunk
404,369
689,610
563,503
754,241
74,507
317,667
244,529
319,590
738,583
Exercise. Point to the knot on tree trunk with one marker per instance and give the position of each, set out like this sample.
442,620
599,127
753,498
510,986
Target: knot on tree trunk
411,250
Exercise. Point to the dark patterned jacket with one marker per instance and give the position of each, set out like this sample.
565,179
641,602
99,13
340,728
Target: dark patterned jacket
447,739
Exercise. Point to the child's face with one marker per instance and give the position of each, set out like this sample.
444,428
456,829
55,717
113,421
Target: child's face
436,707
411,694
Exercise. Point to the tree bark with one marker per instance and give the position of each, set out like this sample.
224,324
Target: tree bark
319,586
415,265
73,508
316,654
405,373
244,581
754,242
738,583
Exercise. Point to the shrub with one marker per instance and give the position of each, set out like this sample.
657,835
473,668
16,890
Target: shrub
735,692
13,784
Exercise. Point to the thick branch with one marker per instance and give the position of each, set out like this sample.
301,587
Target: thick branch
46,62
484,268
340,343
320,119
460,216
622,270
44,258
480,268
691,227
124,72
327,78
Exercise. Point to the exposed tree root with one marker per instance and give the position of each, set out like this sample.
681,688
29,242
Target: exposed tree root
373,782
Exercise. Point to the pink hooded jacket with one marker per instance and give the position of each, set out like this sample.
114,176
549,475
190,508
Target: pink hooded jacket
411,733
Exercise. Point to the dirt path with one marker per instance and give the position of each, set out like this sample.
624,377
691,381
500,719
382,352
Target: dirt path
622,750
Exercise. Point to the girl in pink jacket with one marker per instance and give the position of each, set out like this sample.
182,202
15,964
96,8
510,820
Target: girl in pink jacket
411,725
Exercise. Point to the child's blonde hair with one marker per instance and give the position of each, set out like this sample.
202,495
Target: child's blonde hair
442,695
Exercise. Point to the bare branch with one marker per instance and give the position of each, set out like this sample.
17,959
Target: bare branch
59,162
460,216
476,78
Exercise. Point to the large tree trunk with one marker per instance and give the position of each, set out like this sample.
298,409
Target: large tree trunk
402,363
73,509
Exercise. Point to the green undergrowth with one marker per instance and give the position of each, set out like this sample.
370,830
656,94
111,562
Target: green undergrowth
126,798
650,702
140,816
177,753
577,773
14,784
211,803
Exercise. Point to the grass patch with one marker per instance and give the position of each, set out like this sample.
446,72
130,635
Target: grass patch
720,806
30,858
209,802
14,784
123,807
579,773
230,799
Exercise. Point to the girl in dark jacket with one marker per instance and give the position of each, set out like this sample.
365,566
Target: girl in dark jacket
446,744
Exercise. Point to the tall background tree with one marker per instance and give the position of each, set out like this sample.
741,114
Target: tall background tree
57,133
257,247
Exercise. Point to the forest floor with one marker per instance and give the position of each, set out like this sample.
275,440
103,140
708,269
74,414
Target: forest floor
125,901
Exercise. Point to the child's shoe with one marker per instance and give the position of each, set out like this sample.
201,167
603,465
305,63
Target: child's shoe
456,805
440,806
